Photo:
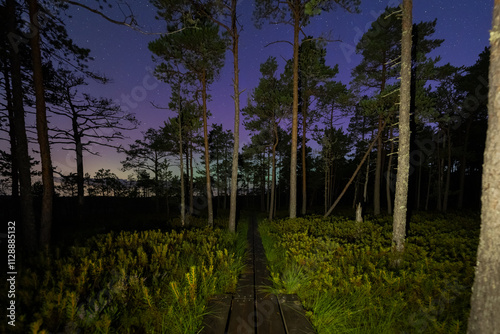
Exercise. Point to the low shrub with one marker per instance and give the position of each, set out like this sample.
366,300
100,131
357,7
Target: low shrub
128,282
343,272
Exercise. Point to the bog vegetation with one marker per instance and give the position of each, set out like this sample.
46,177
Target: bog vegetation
128,282
343,272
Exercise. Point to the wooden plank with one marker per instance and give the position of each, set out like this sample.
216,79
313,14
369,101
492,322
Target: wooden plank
294,315
269,319
245,286
218,312
242,317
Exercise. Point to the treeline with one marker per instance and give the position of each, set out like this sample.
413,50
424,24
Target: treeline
295,104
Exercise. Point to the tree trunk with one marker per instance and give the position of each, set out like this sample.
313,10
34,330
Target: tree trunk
236,147
207,159
79,154
355,198
28,227
378,167
304,154
263,183
327,169
42,128
367,176
463,166
14,171
273,174
191,186
485,300
389,176
401,196
353,176
378,170
295,111
359,215
183,196
267,185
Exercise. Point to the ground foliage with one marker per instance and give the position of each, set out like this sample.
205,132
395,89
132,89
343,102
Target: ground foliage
128,282
342,272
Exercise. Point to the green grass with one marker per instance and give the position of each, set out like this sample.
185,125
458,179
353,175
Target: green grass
343,273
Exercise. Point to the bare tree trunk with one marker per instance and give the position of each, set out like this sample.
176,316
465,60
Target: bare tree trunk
401,196
356,186
273,175
28,227
353,175
327,169
485,300
378,170
207,159
183,196
367,176
79,153
304,154
42,128
389,176
463,166
191,186
359,215
236,147
295,111
12,135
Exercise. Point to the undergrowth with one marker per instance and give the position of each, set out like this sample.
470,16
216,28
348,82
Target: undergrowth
128,282
343,273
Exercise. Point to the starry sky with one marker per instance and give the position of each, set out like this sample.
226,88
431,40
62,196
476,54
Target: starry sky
122,55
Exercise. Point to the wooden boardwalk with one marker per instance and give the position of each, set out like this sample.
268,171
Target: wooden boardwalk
251,310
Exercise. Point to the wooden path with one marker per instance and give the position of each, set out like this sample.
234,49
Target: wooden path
251,310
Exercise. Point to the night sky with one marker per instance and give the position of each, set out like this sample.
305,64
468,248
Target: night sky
122,54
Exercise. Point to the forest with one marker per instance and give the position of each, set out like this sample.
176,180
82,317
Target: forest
377,201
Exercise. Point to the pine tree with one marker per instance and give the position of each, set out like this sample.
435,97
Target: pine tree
401,199
197,54
299,13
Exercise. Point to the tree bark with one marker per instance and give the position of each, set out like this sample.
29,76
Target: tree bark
353,175
28,227
78,151
378,170
401,196
463,163
236,147
304,153
273,174
463,166
191,185
183,195
367,177
42,128
207,159
485,300
389,176
14,170
295,111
